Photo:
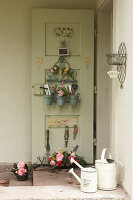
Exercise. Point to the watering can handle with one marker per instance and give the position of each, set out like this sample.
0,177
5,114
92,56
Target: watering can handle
103,154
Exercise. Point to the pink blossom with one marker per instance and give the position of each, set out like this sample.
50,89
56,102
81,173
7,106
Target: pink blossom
60,93
52,162
52,70
59,157
21,171
20,165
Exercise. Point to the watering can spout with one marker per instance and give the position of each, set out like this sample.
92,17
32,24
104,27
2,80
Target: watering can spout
75,175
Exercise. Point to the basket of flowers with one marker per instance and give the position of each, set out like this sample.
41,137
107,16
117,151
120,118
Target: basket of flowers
21,171
61,159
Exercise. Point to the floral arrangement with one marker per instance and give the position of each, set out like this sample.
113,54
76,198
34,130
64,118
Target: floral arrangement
62,159
62,71
62,91
20,169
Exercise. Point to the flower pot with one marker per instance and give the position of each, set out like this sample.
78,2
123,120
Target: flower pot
24,177
49,99
60,100
74,100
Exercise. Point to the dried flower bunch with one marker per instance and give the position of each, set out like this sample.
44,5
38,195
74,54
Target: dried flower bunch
62,71
65,32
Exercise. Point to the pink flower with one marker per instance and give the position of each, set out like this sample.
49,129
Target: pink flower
21,171
60,93
52,70
55,68
59,157
20,165
52,162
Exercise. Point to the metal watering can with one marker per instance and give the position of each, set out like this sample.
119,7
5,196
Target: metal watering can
107,172
88,180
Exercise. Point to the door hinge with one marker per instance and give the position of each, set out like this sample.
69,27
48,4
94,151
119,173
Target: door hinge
95,33
95,141
95,89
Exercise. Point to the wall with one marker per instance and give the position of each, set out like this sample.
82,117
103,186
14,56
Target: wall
122,100
104,40
15,70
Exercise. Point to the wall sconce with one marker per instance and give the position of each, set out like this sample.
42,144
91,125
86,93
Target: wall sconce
118,61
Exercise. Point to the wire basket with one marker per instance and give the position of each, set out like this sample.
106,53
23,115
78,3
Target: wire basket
116,59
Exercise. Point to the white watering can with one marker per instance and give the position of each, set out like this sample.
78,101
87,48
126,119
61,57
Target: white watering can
107,172
88,180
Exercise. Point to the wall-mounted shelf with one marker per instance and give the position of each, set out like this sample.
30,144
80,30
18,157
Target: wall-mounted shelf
119,60
61,80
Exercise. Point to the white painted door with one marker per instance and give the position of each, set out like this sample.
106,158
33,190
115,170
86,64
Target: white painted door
44,55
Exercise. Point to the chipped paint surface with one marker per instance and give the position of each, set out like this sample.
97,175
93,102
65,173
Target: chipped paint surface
62,121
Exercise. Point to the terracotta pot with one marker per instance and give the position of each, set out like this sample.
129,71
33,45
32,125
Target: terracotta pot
2,183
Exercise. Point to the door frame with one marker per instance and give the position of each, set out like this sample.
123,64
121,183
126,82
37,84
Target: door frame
104,83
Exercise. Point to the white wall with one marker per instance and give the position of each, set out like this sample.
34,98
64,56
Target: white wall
122,100
15,70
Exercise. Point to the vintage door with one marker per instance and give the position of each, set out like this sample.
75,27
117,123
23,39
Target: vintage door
45,44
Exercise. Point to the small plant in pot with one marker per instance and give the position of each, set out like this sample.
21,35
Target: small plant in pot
49,95
61,96
74,96
74,99
21,171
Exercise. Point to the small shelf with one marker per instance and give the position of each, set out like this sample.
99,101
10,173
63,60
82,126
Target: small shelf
62,80
67,100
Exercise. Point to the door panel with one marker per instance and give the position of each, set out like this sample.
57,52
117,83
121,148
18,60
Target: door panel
45,45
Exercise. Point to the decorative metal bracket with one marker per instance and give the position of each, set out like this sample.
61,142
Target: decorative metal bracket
119,59
61,71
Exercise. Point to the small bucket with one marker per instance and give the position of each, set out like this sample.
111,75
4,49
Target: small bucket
49,99
74,100
60,101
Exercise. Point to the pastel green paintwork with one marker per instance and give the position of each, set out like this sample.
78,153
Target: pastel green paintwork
81,45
